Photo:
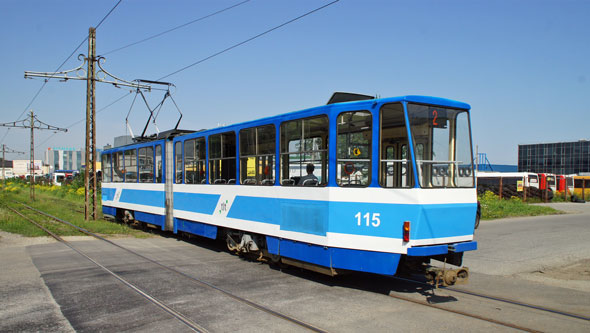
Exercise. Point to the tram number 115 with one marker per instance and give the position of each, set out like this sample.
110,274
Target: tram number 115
370,220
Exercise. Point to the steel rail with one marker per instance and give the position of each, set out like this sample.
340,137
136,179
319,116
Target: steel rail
182,318
204,283
504,300
313,328
503,323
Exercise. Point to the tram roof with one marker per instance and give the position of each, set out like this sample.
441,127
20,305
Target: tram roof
365,104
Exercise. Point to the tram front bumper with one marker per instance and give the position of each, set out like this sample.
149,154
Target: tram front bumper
433,250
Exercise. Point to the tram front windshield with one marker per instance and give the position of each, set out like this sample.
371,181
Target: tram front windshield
442,146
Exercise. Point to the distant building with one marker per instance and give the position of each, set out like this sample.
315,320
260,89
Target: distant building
22,167
122,141
558,158
6,169
64,158
498,167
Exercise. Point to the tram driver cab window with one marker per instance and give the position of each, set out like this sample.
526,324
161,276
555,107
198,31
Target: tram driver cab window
304,152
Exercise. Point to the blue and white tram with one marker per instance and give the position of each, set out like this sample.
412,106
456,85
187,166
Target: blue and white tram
373,185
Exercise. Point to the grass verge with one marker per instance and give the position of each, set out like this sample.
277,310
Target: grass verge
65,208
492,207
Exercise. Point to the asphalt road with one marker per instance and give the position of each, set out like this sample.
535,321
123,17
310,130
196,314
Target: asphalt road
48,287
529,244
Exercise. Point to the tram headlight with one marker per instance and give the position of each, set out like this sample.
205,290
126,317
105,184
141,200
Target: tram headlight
406,231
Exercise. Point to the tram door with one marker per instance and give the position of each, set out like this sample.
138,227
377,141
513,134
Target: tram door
397,164
168,187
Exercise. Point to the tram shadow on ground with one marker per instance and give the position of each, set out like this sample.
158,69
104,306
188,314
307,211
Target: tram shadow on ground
374,283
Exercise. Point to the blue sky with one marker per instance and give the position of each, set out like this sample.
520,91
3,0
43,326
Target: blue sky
523,66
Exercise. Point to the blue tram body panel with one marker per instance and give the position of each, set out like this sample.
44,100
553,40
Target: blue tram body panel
337,227
320,217
196,202
143,197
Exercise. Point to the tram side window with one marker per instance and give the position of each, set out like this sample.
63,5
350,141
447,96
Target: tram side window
178,162
159,165
257,155
118,167
106,168
146,164
353,164
395,167
304,152
222,158
131,166
194,161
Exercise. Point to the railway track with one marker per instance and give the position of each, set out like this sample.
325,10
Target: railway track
486,297
194,326
182,318
501,299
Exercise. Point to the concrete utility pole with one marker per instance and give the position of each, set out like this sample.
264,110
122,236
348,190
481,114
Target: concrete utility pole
33,123
90,190
4,151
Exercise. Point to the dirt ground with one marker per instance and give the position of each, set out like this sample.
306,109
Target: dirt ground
579,271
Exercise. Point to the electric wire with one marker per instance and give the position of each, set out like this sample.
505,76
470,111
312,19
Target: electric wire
249,39
83,119
60,66
176,28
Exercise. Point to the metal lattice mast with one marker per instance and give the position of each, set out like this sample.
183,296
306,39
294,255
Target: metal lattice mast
93,73
32,163
32,123
4,151
90,172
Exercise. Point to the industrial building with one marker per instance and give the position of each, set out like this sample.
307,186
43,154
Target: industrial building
564,158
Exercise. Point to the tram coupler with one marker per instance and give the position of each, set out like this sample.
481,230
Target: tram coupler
446,277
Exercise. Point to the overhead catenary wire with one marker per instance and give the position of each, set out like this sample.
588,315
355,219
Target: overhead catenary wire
191,65
84,119
61,65
176,28
249,40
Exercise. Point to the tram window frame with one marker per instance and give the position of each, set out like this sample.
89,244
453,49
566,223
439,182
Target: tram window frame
194,157
118,167
158,165
391,147
178,167
106,168
130,166
295,141
447,160
145,164
257,155
222,158
354,159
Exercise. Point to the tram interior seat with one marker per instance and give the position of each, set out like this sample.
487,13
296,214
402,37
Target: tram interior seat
231,181
249,181
288,182
268,182
219,181
310,182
